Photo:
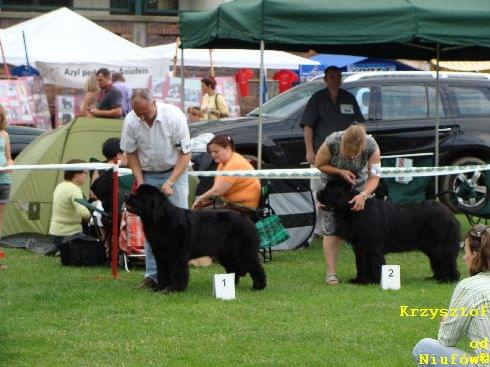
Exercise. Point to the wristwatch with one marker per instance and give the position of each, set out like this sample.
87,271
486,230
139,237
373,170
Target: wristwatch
171,184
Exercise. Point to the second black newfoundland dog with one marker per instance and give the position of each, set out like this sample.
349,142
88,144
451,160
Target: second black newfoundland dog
383,227
177,235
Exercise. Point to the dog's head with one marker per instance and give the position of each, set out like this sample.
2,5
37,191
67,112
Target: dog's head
336,195
148,203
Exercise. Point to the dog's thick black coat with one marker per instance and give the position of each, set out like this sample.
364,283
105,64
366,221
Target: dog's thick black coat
177,235
383,227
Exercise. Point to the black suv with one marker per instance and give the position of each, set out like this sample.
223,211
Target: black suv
399,108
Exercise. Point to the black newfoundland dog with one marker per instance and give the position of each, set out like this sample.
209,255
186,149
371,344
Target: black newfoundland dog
177,235
383,227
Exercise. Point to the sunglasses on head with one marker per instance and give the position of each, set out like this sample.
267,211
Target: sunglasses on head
478,230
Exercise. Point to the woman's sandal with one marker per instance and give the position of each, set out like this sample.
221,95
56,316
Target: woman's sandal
332,279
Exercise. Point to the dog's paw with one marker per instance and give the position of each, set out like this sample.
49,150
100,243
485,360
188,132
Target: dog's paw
446,280
361,281
165,290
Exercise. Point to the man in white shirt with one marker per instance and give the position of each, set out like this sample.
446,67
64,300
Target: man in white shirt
155,137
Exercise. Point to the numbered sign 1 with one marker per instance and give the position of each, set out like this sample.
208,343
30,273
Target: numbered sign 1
390,277
224,286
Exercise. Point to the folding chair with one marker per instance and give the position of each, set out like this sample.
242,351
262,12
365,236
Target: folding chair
272,235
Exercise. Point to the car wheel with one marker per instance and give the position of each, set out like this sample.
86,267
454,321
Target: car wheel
465,191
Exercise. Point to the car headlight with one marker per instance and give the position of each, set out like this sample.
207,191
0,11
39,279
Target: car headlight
199,144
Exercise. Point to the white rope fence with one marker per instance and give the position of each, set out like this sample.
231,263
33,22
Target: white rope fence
383,172
287,173
60,167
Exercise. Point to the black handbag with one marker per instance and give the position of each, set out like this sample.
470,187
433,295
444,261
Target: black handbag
82,250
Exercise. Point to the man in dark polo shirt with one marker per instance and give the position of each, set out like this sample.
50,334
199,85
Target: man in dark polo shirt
109,101
328,110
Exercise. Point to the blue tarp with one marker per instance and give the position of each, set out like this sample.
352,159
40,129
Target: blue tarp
337,60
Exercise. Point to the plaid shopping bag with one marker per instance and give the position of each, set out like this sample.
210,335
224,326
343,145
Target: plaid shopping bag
131,236
271,231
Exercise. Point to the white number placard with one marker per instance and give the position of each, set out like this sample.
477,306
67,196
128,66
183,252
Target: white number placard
390,277
224,286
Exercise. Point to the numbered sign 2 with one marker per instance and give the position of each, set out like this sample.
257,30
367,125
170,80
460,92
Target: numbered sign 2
224,286
390,277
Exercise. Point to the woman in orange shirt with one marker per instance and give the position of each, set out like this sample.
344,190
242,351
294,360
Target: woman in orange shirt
233,190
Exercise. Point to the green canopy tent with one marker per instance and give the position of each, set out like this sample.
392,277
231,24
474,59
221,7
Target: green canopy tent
32,191
410,29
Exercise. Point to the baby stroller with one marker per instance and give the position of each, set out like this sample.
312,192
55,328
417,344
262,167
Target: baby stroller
131,240
130,236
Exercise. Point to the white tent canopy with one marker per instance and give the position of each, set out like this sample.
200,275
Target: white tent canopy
66,47
231,58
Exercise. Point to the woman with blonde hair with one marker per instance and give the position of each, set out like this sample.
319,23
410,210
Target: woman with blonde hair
471,316
91,92
5,160
353,156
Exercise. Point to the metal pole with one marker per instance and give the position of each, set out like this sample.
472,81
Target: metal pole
261,89
5,67
115,218
436,155
182,81
25,49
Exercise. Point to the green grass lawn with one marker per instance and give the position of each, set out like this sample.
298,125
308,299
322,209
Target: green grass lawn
63,316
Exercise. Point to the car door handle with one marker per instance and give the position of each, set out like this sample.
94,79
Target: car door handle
445,130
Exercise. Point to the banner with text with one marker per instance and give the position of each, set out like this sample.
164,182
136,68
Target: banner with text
75,75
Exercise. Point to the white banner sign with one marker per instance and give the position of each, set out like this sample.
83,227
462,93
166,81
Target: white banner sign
75,75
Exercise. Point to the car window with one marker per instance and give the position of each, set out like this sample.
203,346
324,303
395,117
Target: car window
469,101
363,97
286,104
403,102
400,102
432,104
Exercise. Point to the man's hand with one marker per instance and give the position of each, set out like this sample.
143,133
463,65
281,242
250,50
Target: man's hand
348,176
310,156
167,189
92,112
139,182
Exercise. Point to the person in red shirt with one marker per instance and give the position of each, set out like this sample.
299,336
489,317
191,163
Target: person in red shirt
242,77
285,79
